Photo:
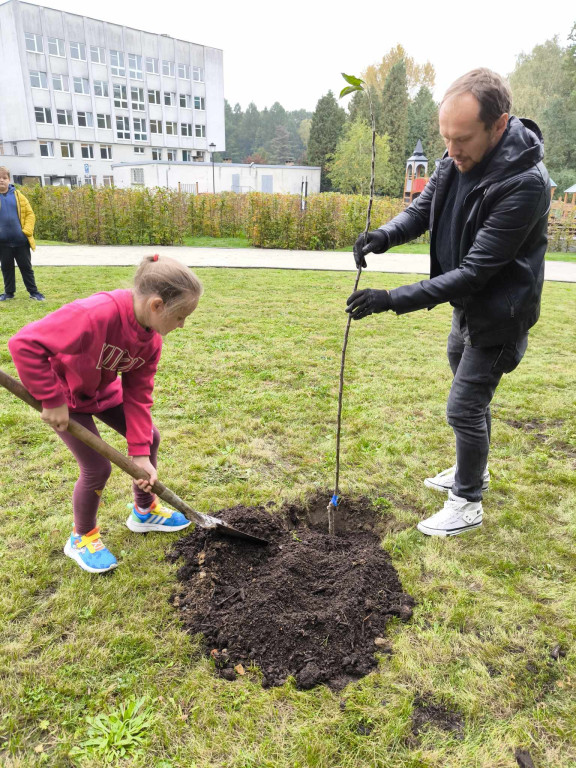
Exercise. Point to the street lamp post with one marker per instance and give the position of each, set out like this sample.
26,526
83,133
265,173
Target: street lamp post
212,147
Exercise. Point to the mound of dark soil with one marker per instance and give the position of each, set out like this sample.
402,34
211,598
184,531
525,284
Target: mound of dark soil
307,605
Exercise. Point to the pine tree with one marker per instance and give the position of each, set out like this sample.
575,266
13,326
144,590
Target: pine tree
395,124
250,136
423,125
327,124
233,123
281,147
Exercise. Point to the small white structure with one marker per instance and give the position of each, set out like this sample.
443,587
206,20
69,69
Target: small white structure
205,177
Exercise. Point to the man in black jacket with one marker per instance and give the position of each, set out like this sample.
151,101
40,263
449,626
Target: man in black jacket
486,207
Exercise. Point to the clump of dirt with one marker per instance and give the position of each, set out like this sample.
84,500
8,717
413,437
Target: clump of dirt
307,605
428,713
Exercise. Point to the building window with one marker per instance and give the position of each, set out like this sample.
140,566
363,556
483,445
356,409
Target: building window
200,131
103,121
38,79
100,88
171,128
154,97
199,102
184,71
43,114
139,129
135,66
97,55
138,99
120,99
56,47
169,99
156,152
198,74
139,150
67,149
117,66
155,126
105,152
168,68
171,155
108,181
33,42
186,129
46,149
185,100
89,181
87,151
152,66
137,175
86,119
64,117
81,85
60,83
187,155
122,128
78,51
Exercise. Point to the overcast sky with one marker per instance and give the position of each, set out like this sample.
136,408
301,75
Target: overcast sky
293,52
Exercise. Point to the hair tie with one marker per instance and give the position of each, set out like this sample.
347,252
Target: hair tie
155,257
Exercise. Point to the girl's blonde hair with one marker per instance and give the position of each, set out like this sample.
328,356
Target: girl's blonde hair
162,276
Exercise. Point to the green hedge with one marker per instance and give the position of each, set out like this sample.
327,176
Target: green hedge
109,216
159,216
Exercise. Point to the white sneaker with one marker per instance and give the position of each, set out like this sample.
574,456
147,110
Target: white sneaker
457,516
445,480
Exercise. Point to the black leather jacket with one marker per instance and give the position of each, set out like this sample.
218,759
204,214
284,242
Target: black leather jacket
502,243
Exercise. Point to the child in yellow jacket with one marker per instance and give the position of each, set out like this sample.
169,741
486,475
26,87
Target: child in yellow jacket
16,239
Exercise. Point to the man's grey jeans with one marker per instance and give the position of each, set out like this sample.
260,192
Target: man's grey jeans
477,372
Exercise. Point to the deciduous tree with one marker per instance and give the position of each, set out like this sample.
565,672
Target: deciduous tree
349,167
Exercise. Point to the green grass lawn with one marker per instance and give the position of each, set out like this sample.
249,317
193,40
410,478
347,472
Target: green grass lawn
217,242
246,400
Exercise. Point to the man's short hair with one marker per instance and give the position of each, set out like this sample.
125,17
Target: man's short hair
489,88
3,168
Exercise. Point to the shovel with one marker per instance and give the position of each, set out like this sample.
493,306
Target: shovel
128,466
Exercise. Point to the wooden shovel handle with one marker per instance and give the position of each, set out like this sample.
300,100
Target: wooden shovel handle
110,453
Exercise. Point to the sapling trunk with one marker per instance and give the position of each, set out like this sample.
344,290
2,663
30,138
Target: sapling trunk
355,85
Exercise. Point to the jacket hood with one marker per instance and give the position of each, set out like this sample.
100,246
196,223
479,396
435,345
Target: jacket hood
521,147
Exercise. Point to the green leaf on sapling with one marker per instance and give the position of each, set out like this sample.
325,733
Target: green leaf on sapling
353,80
349,89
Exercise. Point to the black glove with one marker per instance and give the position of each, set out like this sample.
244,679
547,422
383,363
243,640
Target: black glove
363,303
376,241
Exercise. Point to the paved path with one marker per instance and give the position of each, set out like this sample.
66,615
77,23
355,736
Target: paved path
100,255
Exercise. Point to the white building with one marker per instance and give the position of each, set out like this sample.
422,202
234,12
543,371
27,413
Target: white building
79,95
205,177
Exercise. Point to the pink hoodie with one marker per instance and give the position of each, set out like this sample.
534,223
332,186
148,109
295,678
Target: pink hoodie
75,354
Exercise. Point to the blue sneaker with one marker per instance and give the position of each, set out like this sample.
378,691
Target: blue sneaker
90,553
158,519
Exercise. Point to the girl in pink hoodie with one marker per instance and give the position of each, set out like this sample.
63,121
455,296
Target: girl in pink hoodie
70,361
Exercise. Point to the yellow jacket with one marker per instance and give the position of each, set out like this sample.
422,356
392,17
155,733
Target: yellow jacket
27,217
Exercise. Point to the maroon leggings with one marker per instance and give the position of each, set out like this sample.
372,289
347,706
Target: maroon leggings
95,469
